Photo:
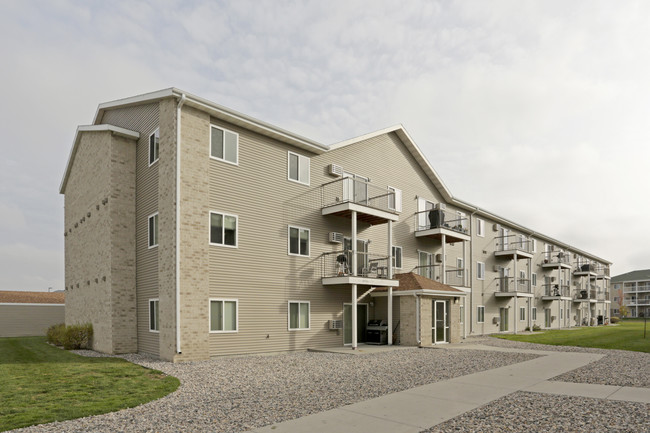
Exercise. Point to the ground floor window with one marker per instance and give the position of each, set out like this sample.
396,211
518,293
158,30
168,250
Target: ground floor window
223,315
154,325
462,314
298,315
480,314
522,313
533,313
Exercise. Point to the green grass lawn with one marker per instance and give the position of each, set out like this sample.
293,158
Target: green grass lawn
40,383
627,335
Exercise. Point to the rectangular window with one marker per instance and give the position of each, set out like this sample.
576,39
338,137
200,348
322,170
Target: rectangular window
223,229
522,313
223,315
394,199
153,315
224,145
154,140
425,262
462,314
298,315
459,267
562,313
480,314
397,257
298,168
298,241
480,270
153,230
480,227
533,313
533,277
533,245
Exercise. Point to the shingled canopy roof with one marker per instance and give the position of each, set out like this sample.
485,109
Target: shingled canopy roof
412,281
18,297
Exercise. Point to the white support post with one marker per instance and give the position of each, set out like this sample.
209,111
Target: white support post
354,286
465,283
390,277
516,281
444,251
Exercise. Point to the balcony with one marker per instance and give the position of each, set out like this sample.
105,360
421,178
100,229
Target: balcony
637,302
602,272
372,269
556,259
454,276
435,223
510,287
373,204
554,292
585,270
511,249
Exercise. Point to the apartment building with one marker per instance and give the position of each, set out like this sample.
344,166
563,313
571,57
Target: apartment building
194,231
632,289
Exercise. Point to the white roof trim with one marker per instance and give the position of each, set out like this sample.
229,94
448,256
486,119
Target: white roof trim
220,112
420,292
122,132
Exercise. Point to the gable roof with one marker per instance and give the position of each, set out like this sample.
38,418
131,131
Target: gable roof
19,297
640,275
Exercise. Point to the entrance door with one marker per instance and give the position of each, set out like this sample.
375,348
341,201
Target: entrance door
547,317
503,319
440,321
362,322
355,188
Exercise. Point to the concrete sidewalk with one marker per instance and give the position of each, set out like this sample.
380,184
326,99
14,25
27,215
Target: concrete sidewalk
422,407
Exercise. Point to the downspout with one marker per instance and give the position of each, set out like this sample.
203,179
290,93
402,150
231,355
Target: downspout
178,222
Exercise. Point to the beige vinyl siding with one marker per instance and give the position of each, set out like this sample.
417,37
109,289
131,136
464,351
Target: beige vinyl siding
26,320
144,119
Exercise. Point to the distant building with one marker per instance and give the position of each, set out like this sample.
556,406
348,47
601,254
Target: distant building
632,290
24,314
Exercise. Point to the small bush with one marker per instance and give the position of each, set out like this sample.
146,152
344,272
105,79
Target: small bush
527,328
78,336
536,328
55,334
614,319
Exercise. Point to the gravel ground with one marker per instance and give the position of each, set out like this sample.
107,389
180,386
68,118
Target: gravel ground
241,393
532,412
617,367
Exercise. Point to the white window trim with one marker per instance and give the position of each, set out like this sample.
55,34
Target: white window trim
533,277
156,331
401,255
398,198
300,157
289,328
210,301
157,130
480,229
461,309
289,241
236,229
478,307
224,148
533,314
477,273
522,310
149,230
460,265
534,245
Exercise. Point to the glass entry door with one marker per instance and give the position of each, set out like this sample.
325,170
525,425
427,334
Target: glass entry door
362,322
503,319
440,321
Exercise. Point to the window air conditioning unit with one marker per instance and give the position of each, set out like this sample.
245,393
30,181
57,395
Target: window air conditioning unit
335,170
552,279
336,238
441,206
438,258
496,227
336,324
496,268
495,320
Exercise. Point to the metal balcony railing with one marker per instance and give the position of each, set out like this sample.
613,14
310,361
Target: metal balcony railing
512,284
557,257
438,218
601,269
585,267
352,190
432,272
339,264
557,290
457,277
505,244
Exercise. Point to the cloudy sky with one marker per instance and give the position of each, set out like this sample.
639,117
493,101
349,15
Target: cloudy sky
536,110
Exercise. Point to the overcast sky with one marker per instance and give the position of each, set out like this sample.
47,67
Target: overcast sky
538,111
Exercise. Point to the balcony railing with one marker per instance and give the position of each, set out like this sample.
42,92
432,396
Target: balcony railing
557,257
637,302
339,264
585,267
432,272
505,244
352,190
557,290
441,219
456,277
601,270
581,294
512,284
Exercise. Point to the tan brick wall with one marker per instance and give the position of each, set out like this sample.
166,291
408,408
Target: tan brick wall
407,317
426,312
455,327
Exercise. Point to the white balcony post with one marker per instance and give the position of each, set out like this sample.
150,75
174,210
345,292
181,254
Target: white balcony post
443,267
465,283
354,286
390,277
516,277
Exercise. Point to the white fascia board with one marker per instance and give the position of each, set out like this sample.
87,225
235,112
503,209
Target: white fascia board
412,148
122,132
501,220
218,111
419,292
